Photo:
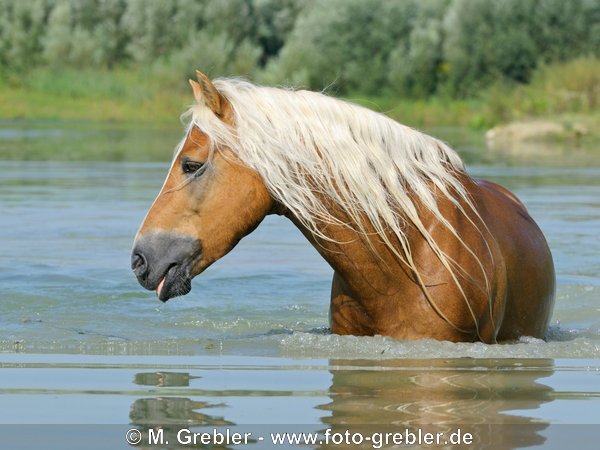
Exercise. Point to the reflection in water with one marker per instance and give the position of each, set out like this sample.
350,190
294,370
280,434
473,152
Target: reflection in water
170,414
546,153
477,396
163,379
67,141
172,411
474,395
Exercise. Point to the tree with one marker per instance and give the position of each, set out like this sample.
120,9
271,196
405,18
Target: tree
488,40
343,43
22,25
416,64
57,44
148,27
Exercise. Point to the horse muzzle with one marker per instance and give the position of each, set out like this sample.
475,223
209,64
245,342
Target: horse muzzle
163,261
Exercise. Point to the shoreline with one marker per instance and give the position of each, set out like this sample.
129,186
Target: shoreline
158,111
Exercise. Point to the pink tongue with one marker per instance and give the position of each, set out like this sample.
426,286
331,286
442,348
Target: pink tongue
159,287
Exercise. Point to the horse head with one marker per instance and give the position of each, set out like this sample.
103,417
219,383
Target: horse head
209,201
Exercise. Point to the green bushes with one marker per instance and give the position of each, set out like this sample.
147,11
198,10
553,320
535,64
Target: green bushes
411,48
555,89
427,62
160,94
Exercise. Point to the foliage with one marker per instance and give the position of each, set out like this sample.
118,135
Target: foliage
409,48
555,89
138,95
94,94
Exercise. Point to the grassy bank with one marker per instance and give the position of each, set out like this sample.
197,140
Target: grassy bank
128,96
565,92
96,96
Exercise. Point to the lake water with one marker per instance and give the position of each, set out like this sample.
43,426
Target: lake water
81,343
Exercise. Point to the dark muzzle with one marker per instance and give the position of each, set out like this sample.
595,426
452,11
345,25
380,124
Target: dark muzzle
163,261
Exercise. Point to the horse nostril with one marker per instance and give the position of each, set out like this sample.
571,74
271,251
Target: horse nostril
138,263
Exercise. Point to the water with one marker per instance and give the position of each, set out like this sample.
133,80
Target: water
251,339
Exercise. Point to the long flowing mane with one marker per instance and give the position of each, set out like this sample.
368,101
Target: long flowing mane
311,150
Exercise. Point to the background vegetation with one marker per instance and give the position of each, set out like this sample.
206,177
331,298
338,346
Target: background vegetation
475,62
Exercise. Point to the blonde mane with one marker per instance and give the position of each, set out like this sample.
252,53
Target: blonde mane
311,150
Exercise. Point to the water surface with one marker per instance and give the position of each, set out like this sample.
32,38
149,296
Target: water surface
250,344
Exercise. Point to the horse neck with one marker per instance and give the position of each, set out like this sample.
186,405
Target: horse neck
362,260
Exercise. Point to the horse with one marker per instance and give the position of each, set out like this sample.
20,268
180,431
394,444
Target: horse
418,247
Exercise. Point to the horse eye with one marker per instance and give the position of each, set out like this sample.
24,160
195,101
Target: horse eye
190,167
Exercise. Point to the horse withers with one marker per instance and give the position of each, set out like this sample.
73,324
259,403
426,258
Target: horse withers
419,248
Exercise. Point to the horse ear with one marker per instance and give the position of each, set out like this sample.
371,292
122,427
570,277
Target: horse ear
196,89
206,92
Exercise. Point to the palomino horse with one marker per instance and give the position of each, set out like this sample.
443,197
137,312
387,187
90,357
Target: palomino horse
419,249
